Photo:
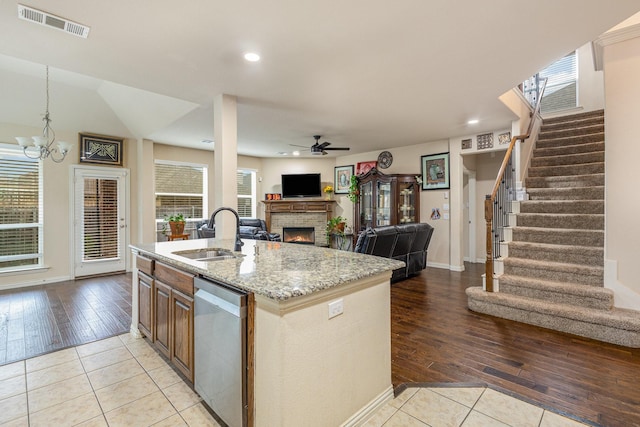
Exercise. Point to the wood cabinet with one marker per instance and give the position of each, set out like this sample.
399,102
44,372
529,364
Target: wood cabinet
165,311
182,332
162,318
386,200
145,304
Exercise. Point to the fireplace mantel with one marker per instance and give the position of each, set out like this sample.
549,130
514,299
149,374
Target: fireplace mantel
297,206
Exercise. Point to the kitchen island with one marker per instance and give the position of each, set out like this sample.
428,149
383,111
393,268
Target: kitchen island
307,366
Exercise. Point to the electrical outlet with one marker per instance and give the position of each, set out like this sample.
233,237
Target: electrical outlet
336,308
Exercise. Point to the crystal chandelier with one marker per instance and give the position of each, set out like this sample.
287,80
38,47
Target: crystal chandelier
44,144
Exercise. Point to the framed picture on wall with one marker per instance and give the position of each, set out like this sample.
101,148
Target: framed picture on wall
435,171
342,179
101,149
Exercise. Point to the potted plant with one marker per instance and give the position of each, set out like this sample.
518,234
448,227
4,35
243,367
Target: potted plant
176,224
335,225
354,191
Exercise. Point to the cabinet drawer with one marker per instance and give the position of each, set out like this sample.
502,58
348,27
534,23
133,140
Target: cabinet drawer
175,278
145,265
318,206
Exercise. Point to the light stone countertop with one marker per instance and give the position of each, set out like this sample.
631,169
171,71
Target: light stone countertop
280,271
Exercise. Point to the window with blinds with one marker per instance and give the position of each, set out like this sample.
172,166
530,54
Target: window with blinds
181,188
20,210
561,92
100,219
246,180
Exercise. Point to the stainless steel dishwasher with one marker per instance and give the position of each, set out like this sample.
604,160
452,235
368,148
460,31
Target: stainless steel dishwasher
221,350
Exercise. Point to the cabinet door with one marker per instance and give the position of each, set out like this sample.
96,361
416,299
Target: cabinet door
366,205
145,304
182,333
162,333
384,202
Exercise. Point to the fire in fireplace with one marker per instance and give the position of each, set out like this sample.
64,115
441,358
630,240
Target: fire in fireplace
302,235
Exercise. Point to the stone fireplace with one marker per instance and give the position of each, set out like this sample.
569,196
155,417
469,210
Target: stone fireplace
299,214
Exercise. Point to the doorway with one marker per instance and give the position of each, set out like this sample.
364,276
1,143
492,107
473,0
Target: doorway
100,220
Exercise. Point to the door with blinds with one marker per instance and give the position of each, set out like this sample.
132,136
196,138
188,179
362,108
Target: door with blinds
100,221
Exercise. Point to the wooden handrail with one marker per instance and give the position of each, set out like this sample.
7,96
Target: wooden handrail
491,198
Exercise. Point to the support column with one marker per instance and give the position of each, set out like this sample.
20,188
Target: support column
225,119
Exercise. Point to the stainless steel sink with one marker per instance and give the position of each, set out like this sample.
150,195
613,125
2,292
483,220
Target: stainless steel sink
211,254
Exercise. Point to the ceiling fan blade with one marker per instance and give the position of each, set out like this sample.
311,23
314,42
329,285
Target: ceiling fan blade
324,153
295,145
338,148
323,145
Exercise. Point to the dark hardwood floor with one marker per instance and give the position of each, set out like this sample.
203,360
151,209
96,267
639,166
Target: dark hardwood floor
436,339
41,319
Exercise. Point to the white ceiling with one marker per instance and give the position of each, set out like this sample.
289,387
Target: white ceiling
364,74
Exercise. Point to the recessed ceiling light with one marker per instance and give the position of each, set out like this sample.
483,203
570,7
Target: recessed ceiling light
252,57
296,153
473,122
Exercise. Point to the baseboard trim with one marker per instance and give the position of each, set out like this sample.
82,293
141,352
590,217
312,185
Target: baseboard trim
35,283
369,409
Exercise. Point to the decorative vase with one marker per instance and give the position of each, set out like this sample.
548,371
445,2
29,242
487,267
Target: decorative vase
328,196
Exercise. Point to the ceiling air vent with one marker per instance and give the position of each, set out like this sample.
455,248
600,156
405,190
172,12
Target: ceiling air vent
44,18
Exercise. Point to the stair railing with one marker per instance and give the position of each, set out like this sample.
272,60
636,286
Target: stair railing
496,204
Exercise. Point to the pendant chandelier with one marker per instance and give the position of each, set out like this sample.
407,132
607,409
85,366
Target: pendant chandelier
44,147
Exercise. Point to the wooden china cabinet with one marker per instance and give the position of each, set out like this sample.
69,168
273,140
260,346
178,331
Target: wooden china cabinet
386,200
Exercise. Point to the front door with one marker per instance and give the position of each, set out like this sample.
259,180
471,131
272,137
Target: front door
100,220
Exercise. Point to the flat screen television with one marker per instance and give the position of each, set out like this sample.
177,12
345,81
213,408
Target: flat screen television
301,185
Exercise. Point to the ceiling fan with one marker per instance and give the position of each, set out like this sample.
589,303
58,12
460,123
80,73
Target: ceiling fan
318,149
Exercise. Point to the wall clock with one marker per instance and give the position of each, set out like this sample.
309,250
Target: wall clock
385,159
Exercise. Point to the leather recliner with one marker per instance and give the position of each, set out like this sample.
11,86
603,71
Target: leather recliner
405,242
250,228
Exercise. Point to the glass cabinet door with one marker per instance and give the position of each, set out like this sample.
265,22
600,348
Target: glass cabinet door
383,214
407,194
366,205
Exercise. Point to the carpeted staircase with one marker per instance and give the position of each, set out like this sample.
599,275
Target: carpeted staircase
554,261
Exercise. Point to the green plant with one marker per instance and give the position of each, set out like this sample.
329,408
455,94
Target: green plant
172,218
354,191
335,225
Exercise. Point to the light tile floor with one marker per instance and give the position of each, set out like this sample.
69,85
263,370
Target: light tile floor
463,406
119,381
122,381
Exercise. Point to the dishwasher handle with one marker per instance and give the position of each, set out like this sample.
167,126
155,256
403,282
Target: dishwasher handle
237,311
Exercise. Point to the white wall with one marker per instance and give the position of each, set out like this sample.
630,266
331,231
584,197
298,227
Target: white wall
622,150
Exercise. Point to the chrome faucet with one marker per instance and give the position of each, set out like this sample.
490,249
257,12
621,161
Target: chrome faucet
239,243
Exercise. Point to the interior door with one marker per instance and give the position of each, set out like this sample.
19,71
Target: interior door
99,220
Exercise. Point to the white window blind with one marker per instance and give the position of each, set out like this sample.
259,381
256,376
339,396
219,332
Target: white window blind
101,237
246,180
180,189
20,210
561,92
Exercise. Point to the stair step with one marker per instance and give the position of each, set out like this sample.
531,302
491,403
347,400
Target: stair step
559,236
579,122
563,206
573,117
584,255
573,181
588,147
568,159
570,140
564,133
558,292
616,326
578,193
559,271
569,170
564,220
